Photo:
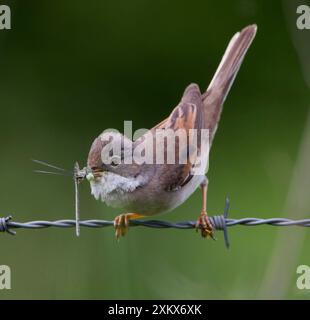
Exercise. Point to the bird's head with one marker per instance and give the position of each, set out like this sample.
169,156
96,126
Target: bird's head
111,152
110,165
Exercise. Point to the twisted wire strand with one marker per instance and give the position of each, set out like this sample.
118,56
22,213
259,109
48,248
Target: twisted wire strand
6,225
279,222
219,222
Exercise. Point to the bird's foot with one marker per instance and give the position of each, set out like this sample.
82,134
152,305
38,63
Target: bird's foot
121,223
204,225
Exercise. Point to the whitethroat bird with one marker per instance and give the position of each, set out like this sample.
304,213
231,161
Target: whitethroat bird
143,189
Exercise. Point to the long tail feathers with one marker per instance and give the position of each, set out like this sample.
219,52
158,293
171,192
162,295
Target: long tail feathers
224,77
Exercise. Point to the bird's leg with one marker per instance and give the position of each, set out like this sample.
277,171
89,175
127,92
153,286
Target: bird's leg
203,223
121,223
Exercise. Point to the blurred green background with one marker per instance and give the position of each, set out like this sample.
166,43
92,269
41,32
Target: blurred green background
70,69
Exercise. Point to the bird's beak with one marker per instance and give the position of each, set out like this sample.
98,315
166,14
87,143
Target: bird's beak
93,174
87,173
90,177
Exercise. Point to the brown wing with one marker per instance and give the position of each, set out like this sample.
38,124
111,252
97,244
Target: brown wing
196,111
191,95
187,115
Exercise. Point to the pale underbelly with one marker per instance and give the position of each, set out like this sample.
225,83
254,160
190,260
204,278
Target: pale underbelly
142,202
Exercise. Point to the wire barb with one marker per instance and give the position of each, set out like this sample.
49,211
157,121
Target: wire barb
219,222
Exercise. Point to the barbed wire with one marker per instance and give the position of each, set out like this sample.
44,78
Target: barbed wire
219,222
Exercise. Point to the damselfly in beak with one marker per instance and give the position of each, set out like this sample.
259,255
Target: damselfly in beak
78,176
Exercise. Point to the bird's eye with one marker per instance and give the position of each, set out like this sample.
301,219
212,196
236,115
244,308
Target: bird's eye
115,161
